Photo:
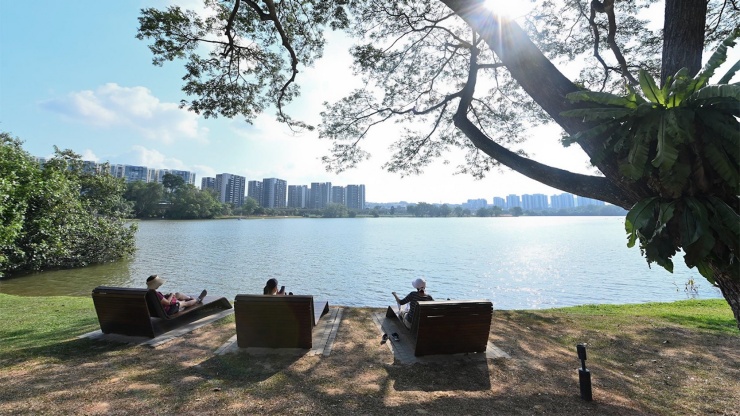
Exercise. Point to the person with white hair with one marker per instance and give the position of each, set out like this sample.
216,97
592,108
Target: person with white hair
412,299
172,302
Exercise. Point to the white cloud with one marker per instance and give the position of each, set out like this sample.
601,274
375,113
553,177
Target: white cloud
154,159
114,106
88,154
203,171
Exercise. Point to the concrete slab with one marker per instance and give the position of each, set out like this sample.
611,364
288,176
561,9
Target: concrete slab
403,350
322,339
160,339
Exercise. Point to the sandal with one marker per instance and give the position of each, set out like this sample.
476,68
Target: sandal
395,337
384,339
202,295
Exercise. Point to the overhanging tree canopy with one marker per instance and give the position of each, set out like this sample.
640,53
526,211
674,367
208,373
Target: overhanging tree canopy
477,81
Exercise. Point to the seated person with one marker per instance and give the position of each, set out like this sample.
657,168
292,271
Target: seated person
172,302
412,298
271,288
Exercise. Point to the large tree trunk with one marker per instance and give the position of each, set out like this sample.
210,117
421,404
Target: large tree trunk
730,287
683,37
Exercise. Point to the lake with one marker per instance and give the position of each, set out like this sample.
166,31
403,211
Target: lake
516,262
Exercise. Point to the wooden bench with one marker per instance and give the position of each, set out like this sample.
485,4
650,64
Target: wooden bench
449,327
270,321
138,312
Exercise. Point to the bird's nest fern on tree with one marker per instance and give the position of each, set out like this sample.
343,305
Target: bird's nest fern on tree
684,140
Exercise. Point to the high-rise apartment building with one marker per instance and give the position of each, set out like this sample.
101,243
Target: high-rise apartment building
208,183
562,201
475,204
499,202
274,192
338,195
231,188
298,196
536,202
158,175
320,195
582,201
355,197
513,201
254,191
131,173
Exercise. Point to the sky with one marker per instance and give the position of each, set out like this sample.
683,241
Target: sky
73,75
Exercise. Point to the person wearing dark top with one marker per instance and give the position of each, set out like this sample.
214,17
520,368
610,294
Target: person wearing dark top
182,301
271,288
413,298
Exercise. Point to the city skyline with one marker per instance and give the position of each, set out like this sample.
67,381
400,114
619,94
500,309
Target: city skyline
118,107
228,184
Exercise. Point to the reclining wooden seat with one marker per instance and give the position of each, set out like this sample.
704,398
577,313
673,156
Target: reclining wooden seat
449,327
270,321
138,312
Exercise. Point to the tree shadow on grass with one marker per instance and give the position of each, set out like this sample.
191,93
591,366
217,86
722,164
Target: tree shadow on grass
449,375
76,349
241,368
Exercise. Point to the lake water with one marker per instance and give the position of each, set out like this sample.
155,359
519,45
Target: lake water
518,263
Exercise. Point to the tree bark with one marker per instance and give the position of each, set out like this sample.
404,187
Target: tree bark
683,36
730,287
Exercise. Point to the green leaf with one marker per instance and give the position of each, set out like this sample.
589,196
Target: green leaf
677,90
639,216
694,222
680,124
718,58
730,73
676,179
704,270
666,211
633,96
729,219
598,114
722,164
650,89
715,93
724,127
634,165
667,153
601,98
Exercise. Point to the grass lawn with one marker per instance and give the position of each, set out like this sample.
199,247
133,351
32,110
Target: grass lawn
680,358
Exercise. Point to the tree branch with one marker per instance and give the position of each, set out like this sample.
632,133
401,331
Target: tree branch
611,40
542,81
589,186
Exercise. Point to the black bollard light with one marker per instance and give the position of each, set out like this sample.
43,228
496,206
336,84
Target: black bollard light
584,376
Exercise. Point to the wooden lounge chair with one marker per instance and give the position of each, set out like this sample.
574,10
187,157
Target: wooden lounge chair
138,312
449,327
270,321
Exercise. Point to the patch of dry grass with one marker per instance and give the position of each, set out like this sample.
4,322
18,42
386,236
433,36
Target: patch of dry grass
645,366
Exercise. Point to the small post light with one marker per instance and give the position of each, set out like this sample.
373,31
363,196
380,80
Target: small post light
584,376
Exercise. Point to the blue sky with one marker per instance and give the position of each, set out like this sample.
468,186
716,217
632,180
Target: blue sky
72,74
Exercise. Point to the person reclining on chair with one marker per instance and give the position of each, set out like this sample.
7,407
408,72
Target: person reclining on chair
172,302
407,315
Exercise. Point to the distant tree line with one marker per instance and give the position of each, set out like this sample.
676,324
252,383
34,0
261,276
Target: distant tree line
424,209
58,216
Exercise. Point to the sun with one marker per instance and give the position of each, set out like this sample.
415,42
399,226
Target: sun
511,9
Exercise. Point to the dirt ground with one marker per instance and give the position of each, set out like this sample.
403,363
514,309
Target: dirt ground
644,369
